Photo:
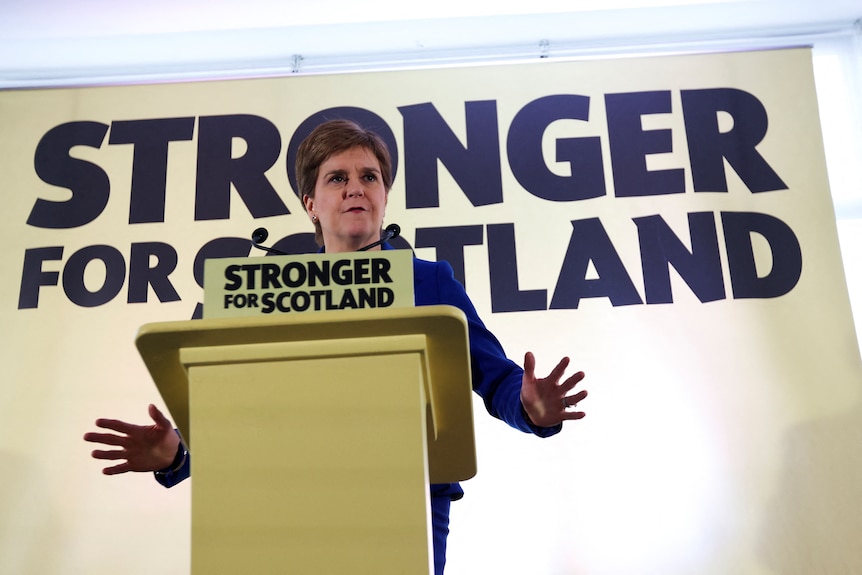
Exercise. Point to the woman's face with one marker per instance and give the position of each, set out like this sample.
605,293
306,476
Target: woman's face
349,200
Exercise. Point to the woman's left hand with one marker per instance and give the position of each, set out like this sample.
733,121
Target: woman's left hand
546,400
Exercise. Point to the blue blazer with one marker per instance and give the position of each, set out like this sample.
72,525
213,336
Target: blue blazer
496,378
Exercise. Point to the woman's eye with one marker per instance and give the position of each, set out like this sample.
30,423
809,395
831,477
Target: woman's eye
338,179
370,177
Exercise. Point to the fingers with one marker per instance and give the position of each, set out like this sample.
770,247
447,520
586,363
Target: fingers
138,444
105,438
558,371
579,397
116,425
571,415
110,455
570,401
117,469
572,381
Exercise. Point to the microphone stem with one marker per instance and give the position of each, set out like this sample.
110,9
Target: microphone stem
385,237
270,250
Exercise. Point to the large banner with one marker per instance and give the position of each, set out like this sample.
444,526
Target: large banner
666,222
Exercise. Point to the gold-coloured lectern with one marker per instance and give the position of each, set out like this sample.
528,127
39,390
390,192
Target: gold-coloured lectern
314,436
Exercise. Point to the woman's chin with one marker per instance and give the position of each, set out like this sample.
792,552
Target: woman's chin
355,241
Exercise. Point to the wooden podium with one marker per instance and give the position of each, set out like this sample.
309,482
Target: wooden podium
315,436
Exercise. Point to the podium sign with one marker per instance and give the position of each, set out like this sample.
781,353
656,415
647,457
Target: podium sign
261,286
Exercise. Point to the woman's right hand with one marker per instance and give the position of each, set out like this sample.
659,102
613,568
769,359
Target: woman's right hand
142,447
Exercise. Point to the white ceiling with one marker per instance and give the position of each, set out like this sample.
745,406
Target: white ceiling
60,41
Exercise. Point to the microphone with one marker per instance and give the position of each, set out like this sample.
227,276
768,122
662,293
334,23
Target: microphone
259,236
391,231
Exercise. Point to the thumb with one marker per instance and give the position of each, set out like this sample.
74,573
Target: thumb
529,365
158,417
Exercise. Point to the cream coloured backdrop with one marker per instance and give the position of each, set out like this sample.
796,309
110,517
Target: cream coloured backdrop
721,437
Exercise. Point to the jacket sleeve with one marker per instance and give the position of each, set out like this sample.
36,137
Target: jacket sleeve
496,378
178,471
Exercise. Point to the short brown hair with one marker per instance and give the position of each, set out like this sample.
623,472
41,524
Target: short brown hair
334,137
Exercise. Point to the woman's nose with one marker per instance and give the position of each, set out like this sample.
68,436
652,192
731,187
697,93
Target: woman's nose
352,188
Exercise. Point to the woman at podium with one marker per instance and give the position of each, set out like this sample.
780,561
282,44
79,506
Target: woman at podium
344,174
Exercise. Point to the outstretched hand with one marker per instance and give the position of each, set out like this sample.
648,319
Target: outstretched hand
546,400
143,447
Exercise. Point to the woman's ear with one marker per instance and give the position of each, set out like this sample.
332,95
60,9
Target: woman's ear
308,201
